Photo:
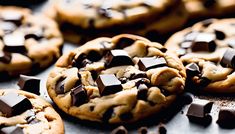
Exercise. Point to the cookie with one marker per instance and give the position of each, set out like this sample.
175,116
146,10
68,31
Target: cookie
27,44
116,80
25,113
206,49
209,8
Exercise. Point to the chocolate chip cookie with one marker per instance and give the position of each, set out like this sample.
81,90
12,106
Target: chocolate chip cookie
25,113
207,51
209,8
116,80
28,42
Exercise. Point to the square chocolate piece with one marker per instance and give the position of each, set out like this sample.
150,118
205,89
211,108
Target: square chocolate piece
108,84
14,43
150,63
30,84
204,42
79,96
118,58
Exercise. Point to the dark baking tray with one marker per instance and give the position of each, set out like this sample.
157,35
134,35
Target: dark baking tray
174,119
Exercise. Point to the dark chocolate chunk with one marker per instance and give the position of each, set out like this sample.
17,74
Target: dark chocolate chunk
226,118
199,110
207,22
162,129
209,3
228,59
143,130
163,49
142,92
118,58
11,130
192,69
94,56
126,116
204,42
31,117
181,52
85,62
5,57
7,27
14,43
124,42
30,84
186,45
94,74
138,75
108,84
59,89
142,81
231,43
123,80
37,35
150,63
191,36
77,62
120,130
13,104
219,35
204,82
108,114
12,16
187,98
79,96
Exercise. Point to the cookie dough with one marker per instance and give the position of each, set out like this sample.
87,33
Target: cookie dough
206,49
116,80
28,42
25,113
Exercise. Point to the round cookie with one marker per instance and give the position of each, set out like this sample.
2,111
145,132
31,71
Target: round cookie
207,50
116,80
209,8
25,113
28,42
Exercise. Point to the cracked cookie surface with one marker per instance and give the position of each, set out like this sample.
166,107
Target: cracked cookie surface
28,42
207,50
116,80
29,114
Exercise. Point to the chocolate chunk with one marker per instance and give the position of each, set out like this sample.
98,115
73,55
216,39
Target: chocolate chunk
5,57
123,80
142,92
30,84
181,52
162,129
191,36
11,130
204,42
219,35
108,114
7,27
138,75
13,104
228,59
12,16
226,118
118,58
143,130
79,96
186,45
124,42
199,110
94,56
120,130
105,12
108,84
126,116
231,43
142,81
186,98
14,43
192,69
37,35
31,117
204,82
85,62
81,61
150,63
59,89
209,3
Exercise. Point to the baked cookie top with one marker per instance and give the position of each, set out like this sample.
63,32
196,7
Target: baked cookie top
25,113
209,8
108,13
207,51
116,80
27,42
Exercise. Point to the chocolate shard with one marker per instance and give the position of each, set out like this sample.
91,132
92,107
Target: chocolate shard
30,84
191,36
7,27
226,118
59,88
37,35
118,58
199,111
192,69
5,57
143,130
78,95
13,104
124,42
142,92
151,62
14,43
204,42
12,16
11,130
108,84
120,130
228,59
219,35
